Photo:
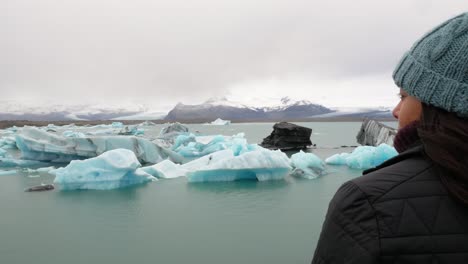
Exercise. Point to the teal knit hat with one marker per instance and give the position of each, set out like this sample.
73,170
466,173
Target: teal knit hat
435,70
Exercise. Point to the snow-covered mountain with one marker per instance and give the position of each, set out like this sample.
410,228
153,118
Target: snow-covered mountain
286,108
41,111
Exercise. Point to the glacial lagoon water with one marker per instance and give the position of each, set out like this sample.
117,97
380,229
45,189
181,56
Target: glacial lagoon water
173,221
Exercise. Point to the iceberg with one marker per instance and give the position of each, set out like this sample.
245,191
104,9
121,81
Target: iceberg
192,147
373,133
36,144
113,169
307,165
220,122
260,165
3,153
364,157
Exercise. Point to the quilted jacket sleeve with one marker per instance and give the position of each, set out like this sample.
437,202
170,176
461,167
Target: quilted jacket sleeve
350,232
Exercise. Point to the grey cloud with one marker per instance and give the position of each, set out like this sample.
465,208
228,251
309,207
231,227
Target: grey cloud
188,50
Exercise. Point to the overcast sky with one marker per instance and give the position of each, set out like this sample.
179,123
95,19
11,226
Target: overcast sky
337,53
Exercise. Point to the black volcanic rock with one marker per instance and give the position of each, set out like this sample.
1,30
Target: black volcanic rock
287,136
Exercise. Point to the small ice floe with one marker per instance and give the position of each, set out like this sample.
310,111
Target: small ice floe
307,165
364,157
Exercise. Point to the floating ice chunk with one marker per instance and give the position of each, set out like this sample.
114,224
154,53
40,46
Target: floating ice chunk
307,165
9,163
220,122
7,172
147,123
364,157
258,165
131,130
113,169
165,169
44,170
73,134
103,132
175,127
39,145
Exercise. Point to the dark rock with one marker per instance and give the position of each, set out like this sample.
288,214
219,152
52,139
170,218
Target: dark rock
287,136
40,188
373,133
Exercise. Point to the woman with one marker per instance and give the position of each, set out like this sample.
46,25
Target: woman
414,207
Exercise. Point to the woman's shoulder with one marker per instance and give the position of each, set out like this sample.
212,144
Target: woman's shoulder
405,176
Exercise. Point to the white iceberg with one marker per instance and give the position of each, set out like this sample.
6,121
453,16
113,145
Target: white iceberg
113,169
364,157
258,165
220,122
36,144
307,165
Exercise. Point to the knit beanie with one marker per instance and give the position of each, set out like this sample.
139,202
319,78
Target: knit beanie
435,70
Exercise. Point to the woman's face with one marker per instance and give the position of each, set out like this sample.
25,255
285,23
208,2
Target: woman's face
408,109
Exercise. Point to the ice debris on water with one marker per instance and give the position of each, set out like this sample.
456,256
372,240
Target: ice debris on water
307,165
113,169
364,157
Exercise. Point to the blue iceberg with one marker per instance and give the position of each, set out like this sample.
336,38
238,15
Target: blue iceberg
364,157
260,165
307,165
113,169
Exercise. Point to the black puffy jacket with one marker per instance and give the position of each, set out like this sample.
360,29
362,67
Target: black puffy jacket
398,212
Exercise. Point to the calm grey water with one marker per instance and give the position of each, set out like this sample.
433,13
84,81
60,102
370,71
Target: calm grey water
172,221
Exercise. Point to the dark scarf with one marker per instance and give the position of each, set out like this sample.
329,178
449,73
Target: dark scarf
445,139
406,137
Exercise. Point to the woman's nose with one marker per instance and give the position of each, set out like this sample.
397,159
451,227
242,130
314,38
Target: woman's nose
396,111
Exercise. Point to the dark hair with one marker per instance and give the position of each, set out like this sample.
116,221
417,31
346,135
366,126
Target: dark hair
445,139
